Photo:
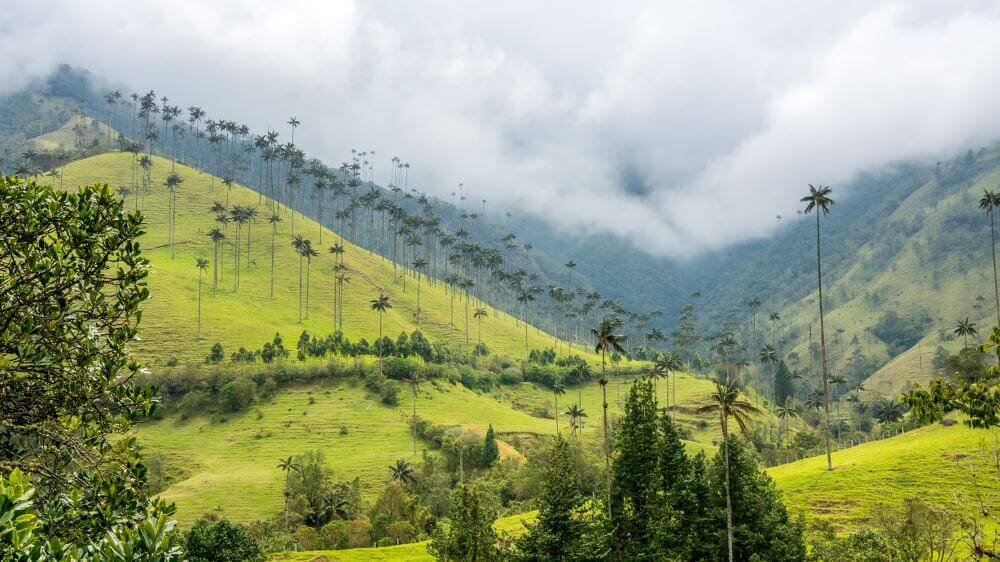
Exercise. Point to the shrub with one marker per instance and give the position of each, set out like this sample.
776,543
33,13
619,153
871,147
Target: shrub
221,542
216,355
390,393
359,533
238,394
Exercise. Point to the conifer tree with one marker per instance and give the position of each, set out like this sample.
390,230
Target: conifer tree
491,451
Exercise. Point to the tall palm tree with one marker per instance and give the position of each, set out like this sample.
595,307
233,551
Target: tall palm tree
172,182
819,200
606,338
664,366
769,355
309,253
415,378
419,264
479,315
299,244
576,415
727,402
217,237
202,265
274,219
558,388
785,413
381,305
402,472
989,202
965,329
287,465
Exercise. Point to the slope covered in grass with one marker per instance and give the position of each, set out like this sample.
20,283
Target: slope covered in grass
249,317
933,463
231,462
78,132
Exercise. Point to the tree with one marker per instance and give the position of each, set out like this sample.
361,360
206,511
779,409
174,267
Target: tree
727,402
491,451
467,534
419,265
557,389
218,238
786,412
606,338
989,203
222,542
479,314
769,355
288,465
381,305
172,182
415,379
819,200
965,329
784,384
309,253
576,414
664,366
402,472
202,265
299,244
74,280
274,219
563,529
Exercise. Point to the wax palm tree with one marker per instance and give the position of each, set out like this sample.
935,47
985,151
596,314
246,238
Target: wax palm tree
274,219
769,355
202,265
381,305
525,297
402,472
287,465
419,264
666,365
965,329
299,245
785,413
415,379
727,402
173,181
606,339
218,238
309,253
888,412
479,315
820,201
558,388
576,414
250,215
989,202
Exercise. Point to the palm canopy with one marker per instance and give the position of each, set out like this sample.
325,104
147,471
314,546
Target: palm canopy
965,328
381,303
989,201
605,337
818,198
480,313
202,264
402,472
727,402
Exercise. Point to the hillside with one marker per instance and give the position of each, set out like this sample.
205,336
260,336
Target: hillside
231,461
250,317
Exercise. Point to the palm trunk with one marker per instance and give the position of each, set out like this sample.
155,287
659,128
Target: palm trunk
199,304
822,344
414,419
607,445
273,232
996,286
729,501
300,289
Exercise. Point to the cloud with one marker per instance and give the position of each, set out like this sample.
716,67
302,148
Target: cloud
682,127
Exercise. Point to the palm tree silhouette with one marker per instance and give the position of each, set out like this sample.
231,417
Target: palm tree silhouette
299,244
415,379
558,388
402,472
419,264
274,219
288,466
380,304
728,403
769,355
218,238
576,414
479,314
819,200
202,265
965,329
309,253
606,338
989,202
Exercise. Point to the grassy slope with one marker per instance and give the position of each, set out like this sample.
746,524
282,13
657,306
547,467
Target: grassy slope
233,463
932,463
906,286
249,317
64,137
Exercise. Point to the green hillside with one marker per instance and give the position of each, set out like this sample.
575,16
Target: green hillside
250,317
77,133
229,464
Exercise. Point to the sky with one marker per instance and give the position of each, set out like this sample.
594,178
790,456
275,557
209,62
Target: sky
680,126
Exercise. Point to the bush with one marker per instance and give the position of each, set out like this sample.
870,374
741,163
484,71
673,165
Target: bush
359,533
221,542
193,403
390,393
216,355
238,394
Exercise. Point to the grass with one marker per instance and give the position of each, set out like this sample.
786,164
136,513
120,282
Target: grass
65,138
933,463
231,462
250,316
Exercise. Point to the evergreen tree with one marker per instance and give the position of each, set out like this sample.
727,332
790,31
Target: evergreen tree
784,386
563,531
468,533
636,502
491,451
